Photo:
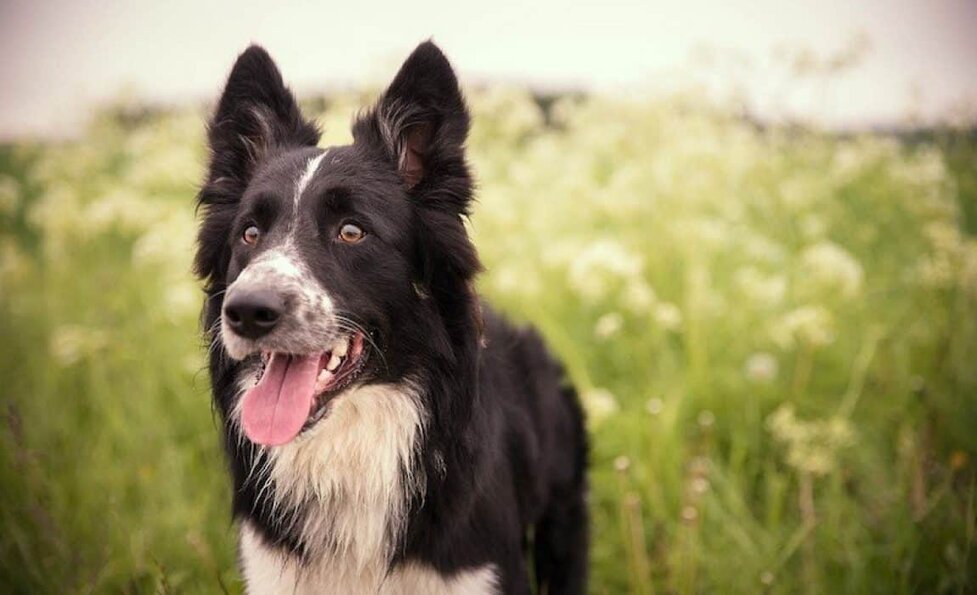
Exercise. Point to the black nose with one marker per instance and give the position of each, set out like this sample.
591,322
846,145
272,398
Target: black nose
253,313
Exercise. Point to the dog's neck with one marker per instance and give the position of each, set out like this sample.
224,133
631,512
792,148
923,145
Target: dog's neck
345,485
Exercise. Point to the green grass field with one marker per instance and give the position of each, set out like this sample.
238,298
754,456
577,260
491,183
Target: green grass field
773,331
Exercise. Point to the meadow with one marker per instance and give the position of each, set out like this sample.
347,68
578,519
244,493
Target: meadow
772,329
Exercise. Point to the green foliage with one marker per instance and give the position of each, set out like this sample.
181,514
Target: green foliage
772,329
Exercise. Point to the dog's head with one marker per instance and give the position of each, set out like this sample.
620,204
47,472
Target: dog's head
328,268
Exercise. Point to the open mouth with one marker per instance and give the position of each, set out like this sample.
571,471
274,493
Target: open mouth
293,391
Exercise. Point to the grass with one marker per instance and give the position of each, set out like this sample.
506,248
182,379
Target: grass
773,331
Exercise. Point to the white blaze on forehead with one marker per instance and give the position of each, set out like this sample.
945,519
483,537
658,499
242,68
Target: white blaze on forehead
306,177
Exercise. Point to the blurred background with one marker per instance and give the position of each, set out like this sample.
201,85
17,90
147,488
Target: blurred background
748,228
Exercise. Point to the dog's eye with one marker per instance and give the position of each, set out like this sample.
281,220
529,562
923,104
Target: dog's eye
251,235
351,233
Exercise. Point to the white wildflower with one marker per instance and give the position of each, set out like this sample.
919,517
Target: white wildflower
810,325
705,233
764,250
848,161
608,325
162,245
761,367
600,404
507,115
668,316
798,192
639,297
938,269
72,343
812,446
601,265
829,266
759,289
123,209
559,253
699,485
505,279
181,300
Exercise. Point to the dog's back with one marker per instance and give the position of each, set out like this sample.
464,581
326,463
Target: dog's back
545,448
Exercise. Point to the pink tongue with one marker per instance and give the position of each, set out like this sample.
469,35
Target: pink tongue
274,411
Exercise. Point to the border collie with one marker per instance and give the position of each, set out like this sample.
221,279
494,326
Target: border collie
386,432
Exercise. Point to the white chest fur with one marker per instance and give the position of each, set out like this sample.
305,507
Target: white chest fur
270,572
352,472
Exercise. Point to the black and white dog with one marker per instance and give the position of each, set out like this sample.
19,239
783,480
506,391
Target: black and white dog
386,432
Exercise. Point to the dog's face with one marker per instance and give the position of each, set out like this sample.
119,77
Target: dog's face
321,254
322,259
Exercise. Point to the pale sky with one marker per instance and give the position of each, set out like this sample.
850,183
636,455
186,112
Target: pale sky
60,56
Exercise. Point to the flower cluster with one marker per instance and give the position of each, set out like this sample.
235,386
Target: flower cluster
812,446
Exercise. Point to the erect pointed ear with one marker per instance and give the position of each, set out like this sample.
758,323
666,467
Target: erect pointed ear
420,124
255,115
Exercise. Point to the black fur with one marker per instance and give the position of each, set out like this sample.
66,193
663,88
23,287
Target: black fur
504,451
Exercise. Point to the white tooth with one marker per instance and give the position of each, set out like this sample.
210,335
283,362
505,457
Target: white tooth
341,348
322,381
333,362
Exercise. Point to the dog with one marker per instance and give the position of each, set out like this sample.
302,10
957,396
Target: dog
386,431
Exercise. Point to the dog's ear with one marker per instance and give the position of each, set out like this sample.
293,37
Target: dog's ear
420,125
256,114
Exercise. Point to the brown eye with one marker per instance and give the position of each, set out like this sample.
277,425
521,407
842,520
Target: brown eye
251,235
351,233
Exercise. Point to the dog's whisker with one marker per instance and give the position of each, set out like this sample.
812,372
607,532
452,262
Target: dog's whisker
352,325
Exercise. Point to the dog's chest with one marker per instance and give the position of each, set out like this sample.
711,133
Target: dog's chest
271,572
351,475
